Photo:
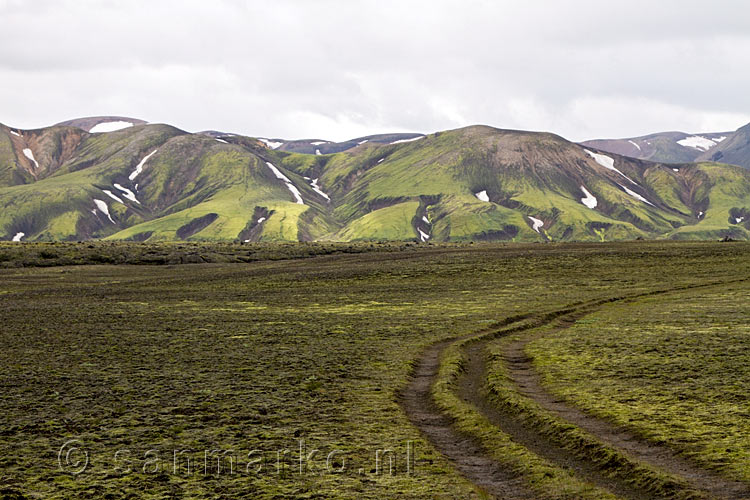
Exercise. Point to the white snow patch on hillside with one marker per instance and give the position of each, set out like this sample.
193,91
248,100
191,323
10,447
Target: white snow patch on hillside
380,160
697,142
316,188
222,140
362,142
317,152
739,219
700,214
608,163
259,221
634,144
18,236
101,205
112,195
15,133
408,140
422,235
635,195
676,169
318,143
270,144
719,139
482,195
127,193
289,185
589,200
109,126
139,167
28,153
537,223
426,220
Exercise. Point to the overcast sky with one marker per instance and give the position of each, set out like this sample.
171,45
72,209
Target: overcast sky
342,69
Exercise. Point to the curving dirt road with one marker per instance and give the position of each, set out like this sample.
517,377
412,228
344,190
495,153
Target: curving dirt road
472,460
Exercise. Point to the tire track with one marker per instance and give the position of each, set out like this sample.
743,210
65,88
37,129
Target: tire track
528,382
466,454
475,463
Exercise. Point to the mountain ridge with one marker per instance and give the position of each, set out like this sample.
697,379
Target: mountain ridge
151,182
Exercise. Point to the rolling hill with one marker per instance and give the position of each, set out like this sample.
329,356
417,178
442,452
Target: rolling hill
155,182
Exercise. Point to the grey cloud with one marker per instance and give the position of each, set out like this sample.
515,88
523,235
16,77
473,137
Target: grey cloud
337,69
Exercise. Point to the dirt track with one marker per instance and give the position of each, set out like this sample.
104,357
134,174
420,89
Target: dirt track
477,465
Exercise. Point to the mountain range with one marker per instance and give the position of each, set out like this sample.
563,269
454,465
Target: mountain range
121,178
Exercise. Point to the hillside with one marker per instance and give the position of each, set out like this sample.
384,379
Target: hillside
158,183
666,147
735,150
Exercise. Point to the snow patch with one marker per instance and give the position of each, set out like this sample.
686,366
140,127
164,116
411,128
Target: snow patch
18,236
222,140
607,162
380,160
316,188
635,195
317,152
30,155
697,142
261,220
482,195
634,144
676,169
408,140
426,220
139,167
109,126
719,139
589,200
290,186
271,144
15,133
318,143
362,142
537,223
739,219
101,205
422,235
112,195
127,193
700,214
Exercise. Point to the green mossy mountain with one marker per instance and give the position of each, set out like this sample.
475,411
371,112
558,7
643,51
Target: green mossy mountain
151,182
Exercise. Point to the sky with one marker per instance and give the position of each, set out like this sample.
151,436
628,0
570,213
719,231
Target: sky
336,70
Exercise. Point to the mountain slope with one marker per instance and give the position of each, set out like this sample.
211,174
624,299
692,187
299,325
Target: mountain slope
156,182
96,124
666,147
734,150
318,146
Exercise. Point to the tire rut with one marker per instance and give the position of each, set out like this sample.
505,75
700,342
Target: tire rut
471,387
528,382
472,461
463,451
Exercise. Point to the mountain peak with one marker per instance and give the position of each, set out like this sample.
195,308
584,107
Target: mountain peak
97,124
